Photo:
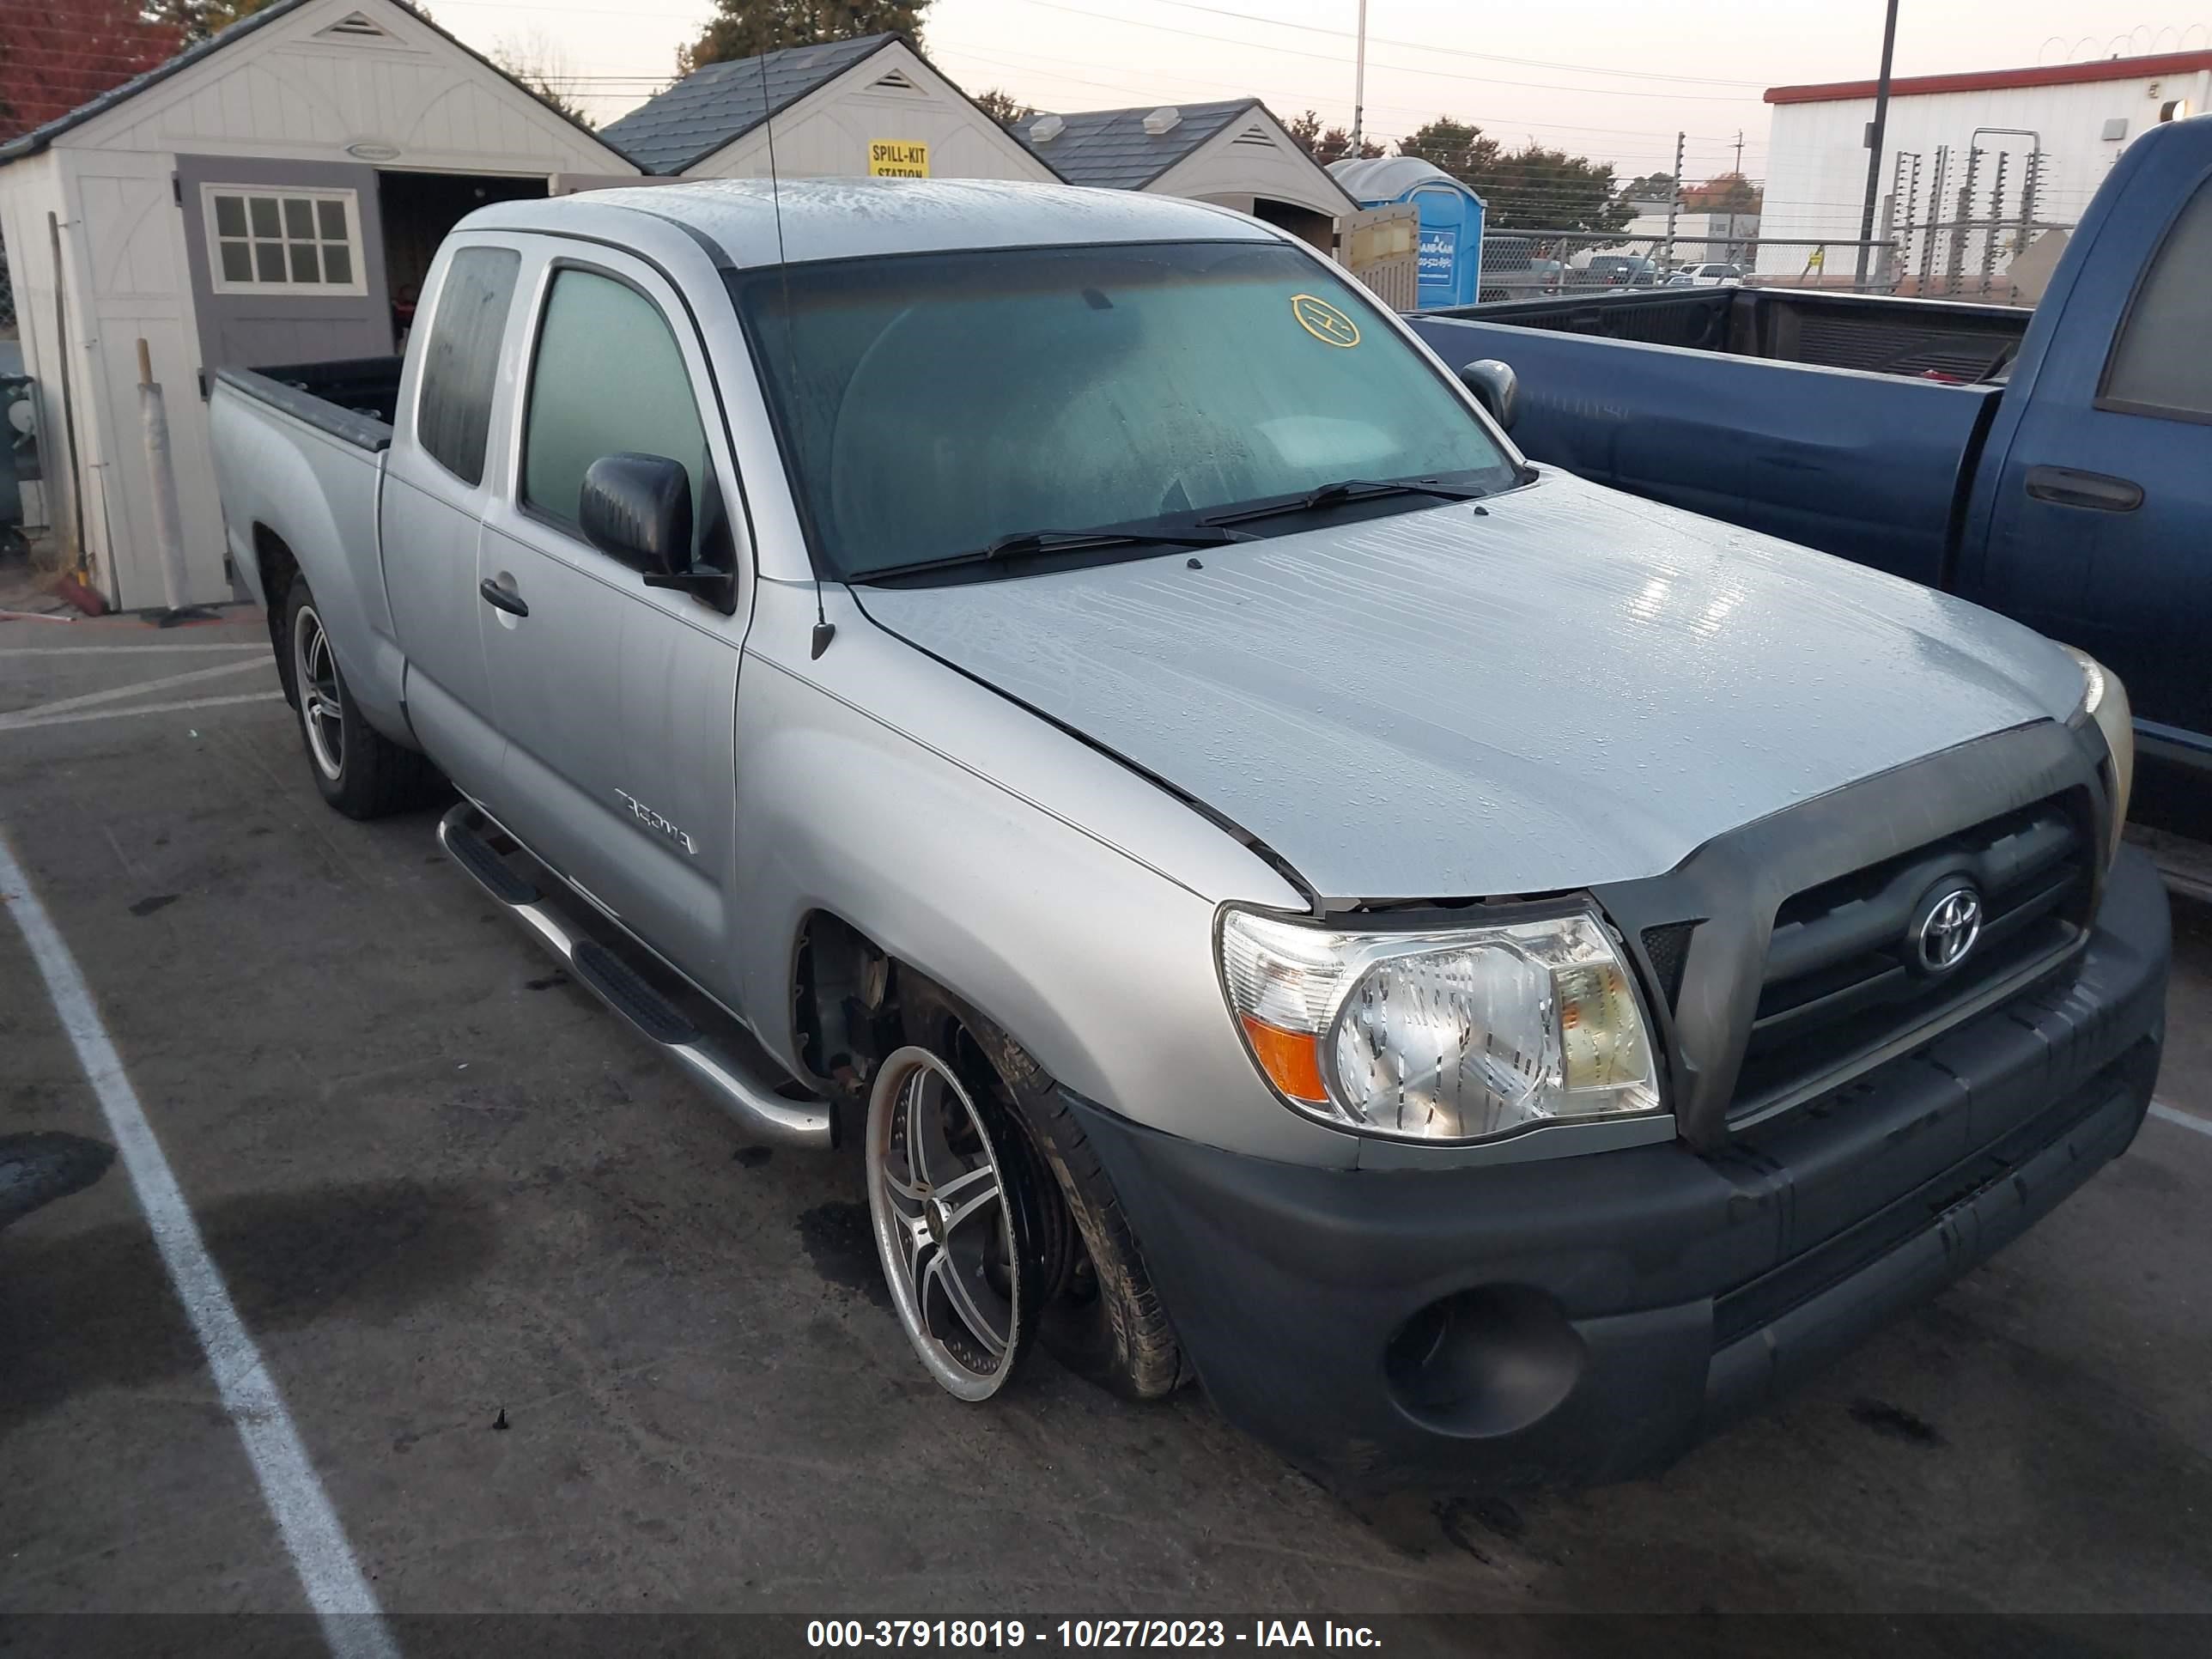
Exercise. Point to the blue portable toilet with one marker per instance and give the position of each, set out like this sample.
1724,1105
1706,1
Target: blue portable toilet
1451,221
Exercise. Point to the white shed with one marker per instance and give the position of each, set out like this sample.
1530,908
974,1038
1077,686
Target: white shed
839,109
273,195
1233,153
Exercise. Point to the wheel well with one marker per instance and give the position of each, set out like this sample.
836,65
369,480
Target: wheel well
278,568
852,1003
855,1003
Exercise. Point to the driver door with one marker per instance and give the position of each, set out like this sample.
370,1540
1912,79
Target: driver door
618,701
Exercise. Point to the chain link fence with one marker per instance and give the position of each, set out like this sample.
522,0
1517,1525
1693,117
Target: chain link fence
1987,259
1521,265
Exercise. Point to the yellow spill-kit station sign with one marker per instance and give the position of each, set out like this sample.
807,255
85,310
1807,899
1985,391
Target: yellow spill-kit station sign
898,158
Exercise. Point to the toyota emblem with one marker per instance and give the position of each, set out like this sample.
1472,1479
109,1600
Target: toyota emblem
1949,924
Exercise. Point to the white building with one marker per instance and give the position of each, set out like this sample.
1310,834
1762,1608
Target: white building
270,195
875,105
2074,118
1233,153
842,109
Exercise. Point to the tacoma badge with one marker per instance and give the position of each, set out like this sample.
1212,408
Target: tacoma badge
652,820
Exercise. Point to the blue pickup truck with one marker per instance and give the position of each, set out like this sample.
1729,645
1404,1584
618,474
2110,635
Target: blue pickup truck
2056,465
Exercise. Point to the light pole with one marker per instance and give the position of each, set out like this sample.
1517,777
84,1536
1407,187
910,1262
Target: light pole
1875,130
1359,81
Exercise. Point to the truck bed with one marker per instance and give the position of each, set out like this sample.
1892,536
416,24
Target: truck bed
1932,339
354,398
1860,462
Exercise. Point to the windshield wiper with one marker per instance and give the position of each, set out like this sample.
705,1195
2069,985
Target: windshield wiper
1347,489
1024,542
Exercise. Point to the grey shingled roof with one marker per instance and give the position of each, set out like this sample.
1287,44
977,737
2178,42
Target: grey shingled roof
38,138
709,108
1110,148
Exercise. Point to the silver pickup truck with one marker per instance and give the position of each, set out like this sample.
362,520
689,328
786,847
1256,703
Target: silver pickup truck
1489,975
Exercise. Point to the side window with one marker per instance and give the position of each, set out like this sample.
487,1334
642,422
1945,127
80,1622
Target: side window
608,377
2162,363
461,362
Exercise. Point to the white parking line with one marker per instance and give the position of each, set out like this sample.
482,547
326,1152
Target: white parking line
125,650
352,1622
30,724
2175,1115
40,712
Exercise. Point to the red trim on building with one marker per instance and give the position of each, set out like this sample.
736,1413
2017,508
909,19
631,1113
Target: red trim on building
2049,74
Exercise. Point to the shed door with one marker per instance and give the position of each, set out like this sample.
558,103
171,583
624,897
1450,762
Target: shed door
286,261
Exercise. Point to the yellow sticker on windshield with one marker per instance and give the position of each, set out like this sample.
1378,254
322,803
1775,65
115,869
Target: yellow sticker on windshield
1324,321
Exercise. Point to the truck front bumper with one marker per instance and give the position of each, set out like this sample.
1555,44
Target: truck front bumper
1589,1318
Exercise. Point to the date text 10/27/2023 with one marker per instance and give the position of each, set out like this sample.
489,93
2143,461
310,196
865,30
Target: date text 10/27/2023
1087,1634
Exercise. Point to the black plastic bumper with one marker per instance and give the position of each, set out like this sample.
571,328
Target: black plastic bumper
1589,1318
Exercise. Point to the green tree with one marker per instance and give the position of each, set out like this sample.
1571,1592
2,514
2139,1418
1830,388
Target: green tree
1726,193
1331,145
746,29
1003,108
1651,187
1530,188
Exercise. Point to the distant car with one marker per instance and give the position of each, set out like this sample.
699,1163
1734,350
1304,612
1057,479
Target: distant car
1619,270
1708,275
1514,267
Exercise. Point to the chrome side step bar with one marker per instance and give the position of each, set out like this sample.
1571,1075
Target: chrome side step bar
760,1111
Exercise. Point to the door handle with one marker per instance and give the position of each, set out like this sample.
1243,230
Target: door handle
501,599
2063,486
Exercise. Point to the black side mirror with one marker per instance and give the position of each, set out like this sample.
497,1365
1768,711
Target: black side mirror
637,509
1496,387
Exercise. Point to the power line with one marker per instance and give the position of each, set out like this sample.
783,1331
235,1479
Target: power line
1457,51
1002,58
1401,69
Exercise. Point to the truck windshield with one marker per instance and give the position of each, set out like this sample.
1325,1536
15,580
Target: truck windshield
932,404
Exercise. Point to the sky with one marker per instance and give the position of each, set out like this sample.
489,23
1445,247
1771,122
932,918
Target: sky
1611,79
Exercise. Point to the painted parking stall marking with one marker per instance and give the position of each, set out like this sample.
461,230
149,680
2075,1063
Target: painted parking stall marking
2181,1119
352,1622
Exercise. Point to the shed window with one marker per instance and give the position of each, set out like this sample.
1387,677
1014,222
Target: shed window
284,242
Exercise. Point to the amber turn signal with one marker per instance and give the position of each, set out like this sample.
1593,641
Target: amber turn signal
1291,1059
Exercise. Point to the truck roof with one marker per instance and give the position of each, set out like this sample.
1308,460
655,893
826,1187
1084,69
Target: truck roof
853,218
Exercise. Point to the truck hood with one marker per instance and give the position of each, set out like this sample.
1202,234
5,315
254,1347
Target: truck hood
1576,686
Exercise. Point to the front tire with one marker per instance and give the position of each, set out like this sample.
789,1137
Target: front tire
356,769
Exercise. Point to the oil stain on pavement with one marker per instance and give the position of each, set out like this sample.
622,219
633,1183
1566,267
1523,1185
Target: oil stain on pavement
93,1307
38,1168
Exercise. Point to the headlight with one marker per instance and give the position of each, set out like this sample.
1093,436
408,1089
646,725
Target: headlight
2105,701
1445,1035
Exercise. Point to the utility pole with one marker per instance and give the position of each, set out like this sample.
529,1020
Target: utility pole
1359,82
1875,132
1674,195
1739,152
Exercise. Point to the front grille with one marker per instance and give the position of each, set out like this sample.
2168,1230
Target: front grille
1840,987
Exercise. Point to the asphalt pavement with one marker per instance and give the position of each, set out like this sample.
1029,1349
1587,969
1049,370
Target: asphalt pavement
548,1339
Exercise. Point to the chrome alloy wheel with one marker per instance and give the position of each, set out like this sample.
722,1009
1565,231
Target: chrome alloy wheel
937,1191
315,678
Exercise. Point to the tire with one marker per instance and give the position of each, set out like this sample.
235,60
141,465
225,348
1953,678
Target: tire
1098,1315
1104,1321
358,770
